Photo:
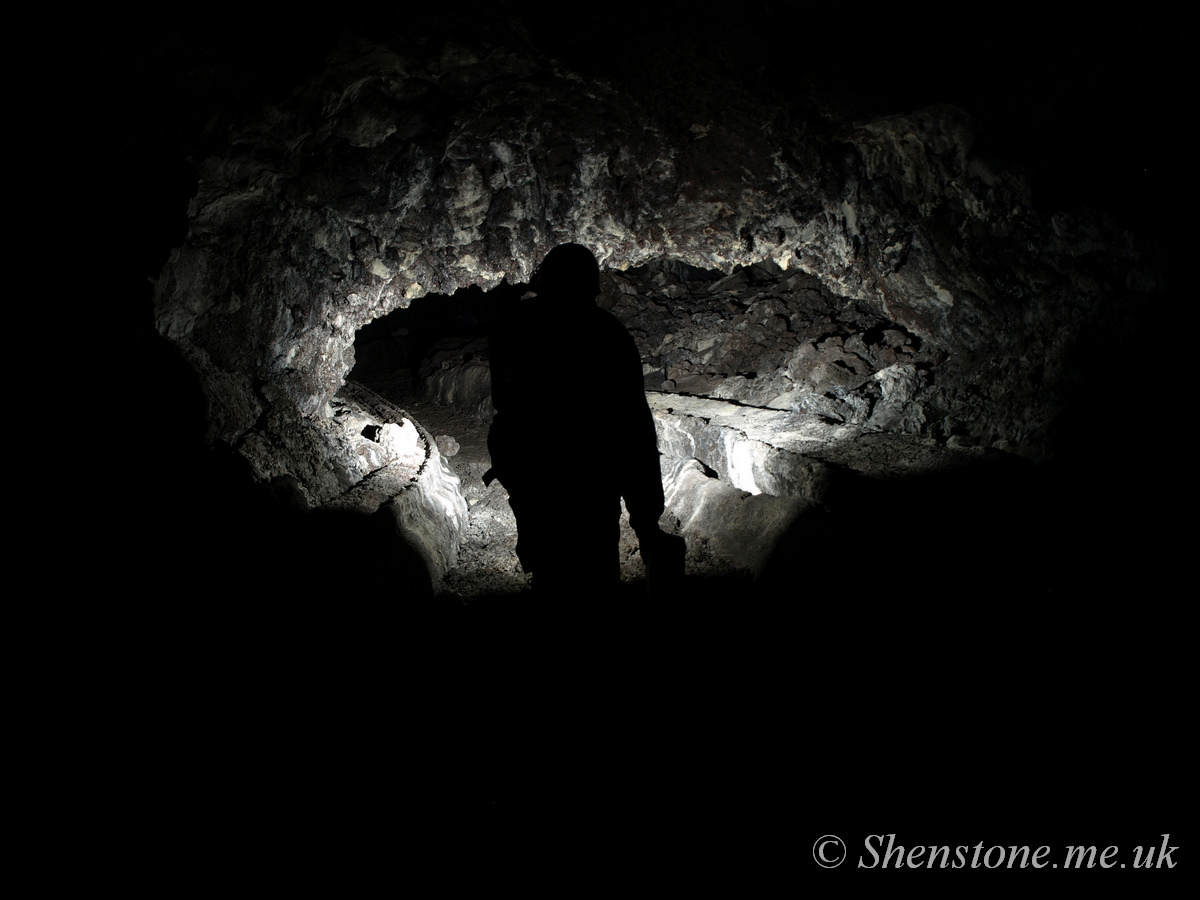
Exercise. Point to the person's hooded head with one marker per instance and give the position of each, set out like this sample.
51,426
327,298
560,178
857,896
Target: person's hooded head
568,274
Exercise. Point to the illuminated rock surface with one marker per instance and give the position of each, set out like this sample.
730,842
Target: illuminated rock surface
396,168
900,286
799,252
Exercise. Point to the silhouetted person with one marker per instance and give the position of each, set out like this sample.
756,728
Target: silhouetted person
573,433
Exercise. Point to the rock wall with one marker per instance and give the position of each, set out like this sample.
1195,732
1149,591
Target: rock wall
410,165
423,502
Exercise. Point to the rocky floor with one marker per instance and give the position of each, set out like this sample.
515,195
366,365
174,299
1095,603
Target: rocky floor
487,560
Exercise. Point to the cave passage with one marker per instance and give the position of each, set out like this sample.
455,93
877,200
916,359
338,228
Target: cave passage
396,353
771,396
924,466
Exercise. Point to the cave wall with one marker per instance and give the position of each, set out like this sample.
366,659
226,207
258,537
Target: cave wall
397,166
212,589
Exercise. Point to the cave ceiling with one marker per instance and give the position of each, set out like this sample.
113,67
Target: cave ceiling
945,187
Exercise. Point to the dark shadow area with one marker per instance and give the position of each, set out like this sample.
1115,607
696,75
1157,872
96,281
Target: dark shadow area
1004,636
279,670
962,645
237,660
977,640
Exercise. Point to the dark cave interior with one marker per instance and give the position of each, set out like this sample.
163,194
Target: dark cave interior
1015,615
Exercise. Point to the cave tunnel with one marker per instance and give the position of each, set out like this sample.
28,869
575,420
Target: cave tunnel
888,342
727,359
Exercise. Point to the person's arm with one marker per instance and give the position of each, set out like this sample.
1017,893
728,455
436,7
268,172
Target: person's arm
642,479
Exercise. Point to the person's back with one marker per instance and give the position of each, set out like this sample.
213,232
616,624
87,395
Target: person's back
573,433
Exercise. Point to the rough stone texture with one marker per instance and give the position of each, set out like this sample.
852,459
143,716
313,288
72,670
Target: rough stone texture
421,494
786,454
400,167
456,373
754,450
739,528
767,338
736,479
